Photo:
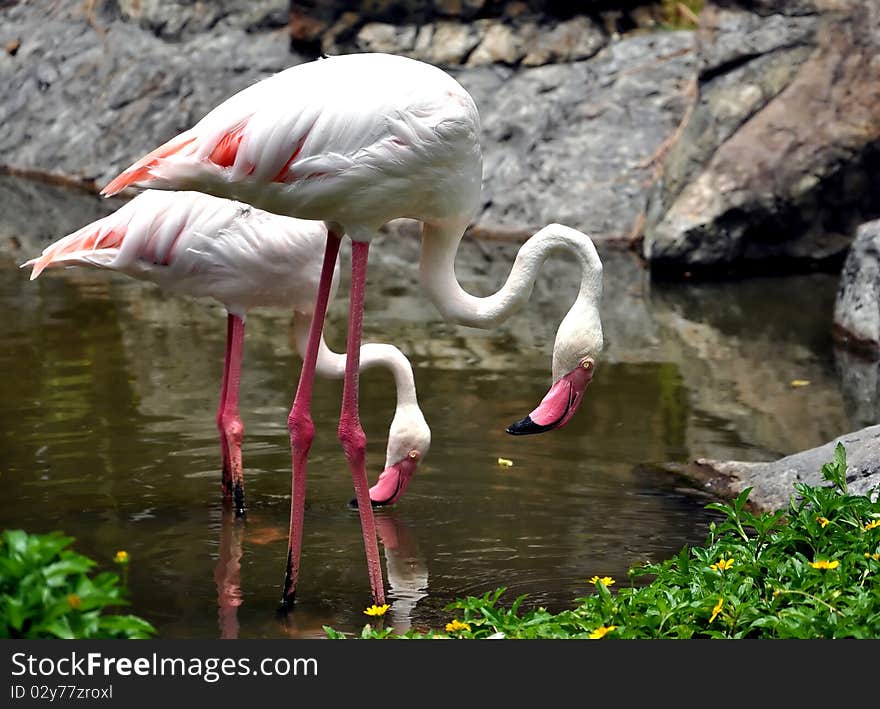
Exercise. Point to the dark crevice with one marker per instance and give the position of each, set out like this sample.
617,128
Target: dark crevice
728,66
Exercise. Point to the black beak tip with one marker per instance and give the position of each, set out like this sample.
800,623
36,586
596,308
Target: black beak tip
526,426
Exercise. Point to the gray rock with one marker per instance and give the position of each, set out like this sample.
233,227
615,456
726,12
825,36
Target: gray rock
773,482
83,96
174,19
576,143
778,158
857,308
571,40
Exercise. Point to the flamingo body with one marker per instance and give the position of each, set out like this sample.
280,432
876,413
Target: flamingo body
193,244
356,140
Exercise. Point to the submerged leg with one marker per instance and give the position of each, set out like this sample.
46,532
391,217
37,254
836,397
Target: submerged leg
228,419
302,430
351,434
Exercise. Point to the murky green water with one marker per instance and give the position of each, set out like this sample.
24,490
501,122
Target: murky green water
107,433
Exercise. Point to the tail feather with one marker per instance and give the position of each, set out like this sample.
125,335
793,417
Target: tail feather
91,244
141,169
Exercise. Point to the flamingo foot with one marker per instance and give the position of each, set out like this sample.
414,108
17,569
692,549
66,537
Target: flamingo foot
288,594
238,496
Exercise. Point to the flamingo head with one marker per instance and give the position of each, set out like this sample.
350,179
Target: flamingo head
578,346
408,441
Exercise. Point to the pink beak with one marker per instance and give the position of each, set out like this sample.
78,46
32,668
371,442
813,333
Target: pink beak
392,483
557,407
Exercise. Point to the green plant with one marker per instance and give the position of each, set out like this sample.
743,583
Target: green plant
811,571
46,591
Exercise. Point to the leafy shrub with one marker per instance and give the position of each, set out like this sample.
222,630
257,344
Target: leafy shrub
808,572
46,592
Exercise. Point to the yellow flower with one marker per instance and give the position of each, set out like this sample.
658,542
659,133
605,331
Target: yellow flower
74,601
875,557
121,558
823,564
604,580
722,565
456,625
873,524
717,609
599,633
377,610
505,462
822,521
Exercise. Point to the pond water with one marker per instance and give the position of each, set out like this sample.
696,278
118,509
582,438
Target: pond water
107,432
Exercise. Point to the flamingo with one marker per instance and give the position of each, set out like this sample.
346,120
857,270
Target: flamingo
356,141
194,244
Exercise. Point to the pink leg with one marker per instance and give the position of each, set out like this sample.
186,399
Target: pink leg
354,442
302,430
226,482
228,420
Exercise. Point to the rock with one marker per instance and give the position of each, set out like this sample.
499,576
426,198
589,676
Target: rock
450,43
499,46
84,95
857,308
569,41
773,482
778,159
575,143
383,37
174,19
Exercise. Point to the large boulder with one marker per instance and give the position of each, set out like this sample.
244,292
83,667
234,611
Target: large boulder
779,159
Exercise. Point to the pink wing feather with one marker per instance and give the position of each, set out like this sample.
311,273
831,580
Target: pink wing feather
314,120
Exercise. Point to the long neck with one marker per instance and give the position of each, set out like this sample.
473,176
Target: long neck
437,267
331,364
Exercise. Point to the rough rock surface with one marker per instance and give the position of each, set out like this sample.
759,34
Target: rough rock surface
575,143
773,482
87,92
857,308
471,32
778,160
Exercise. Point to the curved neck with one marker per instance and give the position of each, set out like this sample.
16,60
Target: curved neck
437,268
331,364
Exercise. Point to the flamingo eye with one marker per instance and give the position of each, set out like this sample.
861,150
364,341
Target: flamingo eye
587,363
414,454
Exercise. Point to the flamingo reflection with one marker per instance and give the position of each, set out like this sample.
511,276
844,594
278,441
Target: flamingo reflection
406,569
227,573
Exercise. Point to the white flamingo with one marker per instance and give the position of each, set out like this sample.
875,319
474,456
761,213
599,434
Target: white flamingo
194,244
356,141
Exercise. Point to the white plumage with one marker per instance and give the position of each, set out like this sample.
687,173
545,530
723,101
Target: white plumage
193,244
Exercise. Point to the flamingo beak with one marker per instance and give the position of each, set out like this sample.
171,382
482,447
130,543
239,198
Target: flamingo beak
393,481
558,406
